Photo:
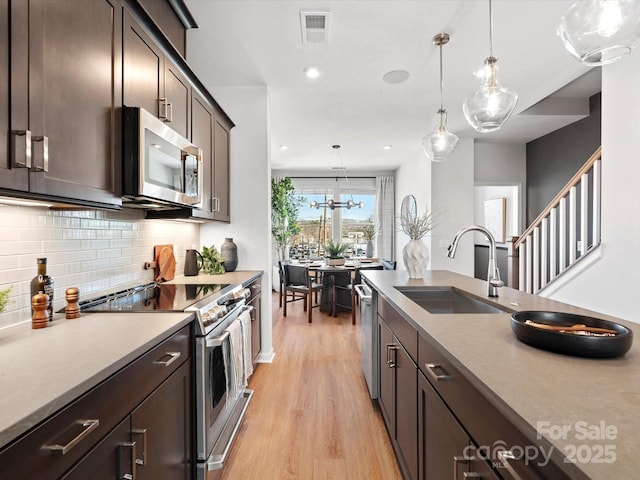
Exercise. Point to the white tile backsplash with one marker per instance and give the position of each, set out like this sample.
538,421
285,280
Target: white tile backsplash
96,251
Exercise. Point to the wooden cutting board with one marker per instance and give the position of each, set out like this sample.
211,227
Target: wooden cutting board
165,263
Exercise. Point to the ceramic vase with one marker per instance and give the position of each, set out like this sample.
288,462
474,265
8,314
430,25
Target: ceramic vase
229,254
369,249
416,258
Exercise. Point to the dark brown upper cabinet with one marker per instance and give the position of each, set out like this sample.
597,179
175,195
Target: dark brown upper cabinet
7,176
152,81
202,121
222,137
65,84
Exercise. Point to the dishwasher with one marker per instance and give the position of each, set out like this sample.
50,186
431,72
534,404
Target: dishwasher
369,335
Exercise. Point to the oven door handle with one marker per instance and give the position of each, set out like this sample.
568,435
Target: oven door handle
219,340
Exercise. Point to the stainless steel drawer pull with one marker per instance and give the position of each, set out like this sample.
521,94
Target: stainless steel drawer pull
19,146
141,431
132,464
169,110
431,370
391,347
504,456
456,461
165,363
89,426
44,167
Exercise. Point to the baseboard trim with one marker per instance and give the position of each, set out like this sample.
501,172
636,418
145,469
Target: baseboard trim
266,357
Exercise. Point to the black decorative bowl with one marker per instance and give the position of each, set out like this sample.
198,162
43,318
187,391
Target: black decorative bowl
568,343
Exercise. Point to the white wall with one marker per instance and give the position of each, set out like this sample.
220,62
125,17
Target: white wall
250,189
501,164
611,285
447,188
413,177
452,194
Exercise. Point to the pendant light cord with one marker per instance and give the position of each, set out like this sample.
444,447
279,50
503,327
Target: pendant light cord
441,82
490,31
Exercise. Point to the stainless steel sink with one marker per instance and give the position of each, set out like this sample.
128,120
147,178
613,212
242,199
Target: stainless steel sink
441,300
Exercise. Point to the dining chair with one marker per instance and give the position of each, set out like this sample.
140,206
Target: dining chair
389,264
356,279
298,281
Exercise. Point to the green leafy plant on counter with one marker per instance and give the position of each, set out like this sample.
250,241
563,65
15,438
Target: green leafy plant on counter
335,250
4,298
212,260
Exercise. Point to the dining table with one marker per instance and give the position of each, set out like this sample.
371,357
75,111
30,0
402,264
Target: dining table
326,274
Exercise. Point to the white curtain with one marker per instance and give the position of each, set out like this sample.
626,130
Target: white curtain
386,217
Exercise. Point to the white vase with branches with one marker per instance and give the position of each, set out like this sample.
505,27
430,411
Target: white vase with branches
415,253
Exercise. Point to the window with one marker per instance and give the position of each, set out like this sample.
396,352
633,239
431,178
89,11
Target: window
320,225
353,220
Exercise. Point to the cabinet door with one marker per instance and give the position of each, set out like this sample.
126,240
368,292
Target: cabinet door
222,130
177,91
406,408
143,68
67,94
386,399
11,176
442,442
113,457
161,428
202,136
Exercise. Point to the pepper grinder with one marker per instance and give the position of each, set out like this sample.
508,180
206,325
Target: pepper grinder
72,294
40,304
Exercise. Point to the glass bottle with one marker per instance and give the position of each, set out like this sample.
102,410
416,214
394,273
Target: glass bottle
43,283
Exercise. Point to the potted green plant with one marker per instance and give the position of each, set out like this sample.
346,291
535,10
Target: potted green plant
334,253
285,207
212,262
4,298
369,233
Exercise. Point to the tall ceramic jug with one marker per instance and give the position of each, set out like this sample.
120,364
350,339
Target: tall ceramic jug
192,263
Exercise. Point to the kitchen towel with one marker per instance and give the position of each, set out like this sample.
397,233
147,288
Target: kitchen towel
234,380
245,323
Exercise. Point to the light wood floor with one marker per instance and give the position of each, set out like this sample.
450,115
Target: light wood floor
311,416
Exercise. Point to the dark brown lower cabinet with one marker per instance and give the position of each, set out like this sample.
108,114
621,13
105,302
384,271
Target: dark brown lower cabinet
160,426
137,425
445,449
113,457
398,398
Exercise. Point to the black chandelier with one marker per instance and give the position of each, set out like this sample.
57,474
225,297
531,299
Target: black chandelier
333,204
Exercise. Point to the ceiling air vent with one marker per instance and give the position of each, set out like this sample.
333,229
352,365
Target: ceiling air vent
315,27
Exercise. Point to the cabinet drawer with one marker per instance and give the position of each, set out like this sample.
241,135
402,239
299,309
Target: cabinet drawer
59,442
401,328
485,424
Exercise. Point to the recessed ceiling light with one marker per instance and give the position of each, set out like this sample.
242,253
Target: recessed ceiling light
312,72
387,147
395,76
284,147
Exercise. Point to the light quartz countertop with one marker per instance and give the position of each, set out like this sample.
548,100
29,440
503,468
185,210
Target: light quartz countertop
43,370
532,387
243,277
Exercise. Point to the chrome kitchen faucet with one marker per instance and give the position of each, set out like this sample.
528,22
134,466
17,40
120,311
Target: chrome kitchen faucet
493,275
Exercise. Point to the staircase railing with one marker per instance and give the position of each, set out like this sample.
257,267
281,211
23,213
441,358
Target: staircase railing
566,230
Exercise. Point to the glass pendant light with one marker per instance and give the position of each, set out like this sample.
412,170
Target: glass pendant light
440,143
490,106
598,32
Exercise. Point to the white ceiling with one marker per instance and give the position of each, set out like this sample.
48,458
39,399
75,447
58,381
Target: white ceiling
259,42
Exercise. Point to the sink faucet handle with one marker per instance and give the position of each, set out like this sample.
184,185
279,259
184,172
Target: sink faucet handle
496,282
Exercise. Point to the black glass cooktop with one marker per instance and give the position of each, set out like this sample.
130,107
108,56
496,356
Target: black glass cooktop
153,297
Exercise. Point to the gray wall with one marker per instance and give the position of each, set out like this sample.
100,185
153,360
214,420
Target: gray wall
553,159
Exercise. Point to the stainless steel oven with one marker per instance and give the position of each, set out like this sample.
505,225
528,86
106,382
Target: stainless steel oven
161,168
221,399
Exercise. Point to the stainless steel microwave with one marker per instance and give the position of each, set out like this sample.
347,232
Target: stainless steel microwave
161,168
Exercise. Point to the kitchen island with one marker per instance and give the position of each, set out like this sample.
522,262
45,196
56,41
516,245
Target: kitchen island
582,411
